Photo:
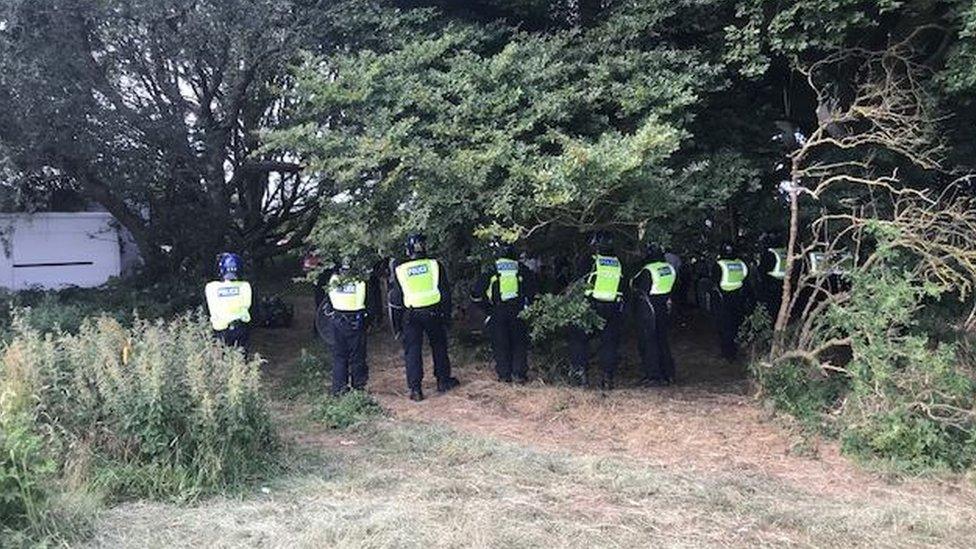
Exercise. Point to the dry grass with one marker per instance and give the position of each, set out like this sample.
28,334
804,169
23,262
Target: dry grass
408,485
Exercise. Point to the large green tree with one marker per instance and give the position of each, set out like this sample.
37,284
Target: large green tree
468,128
152,108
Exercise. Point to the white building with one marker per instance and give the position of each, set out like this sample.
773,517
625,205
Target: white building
57,250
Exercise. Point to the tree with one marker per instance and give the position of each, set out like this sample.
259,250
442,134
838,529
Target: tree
153,110
481,129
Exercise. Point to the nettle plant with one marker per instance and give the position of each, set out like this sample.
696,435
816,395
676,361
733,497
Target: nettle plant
158,409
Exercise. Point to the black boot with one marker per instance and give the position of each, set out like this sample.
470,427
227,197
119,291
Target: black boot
581,378
416,395
607,383
445,385
654,382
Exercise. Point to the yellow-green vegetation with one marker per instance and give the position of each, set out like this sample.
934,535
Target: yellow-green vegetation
350,409
157,410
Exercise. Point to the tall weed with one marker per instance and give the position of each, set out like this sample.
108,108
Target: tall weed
156,409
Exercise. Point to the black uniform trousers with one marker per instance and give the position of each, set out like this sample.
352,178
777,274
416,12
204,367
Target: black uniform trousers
653,344
608,336
238,334
348,351
771,291
416,323
730,312
510,341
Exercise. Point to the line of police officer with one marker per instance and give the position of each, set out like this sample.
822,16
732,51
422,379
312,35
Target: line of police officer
420,304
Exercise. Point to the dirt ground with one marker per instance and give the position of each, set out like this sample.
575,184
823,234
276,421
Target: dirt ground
709,422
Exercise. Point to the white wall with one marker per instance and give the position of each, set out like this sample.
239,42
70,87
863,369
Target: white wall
55,250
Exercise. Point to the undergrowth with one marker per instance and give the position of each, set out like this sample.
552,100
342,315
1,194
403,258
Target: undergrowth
347,410
898,396
311,376
66,310
155,410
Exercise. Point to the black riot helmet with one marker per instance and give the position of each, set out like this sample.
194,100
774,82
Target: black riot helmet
727,250
771,239
416,245
654,251
503,250
602,242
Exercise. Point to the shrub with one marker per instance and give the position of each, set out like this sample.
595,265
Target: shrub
549,317
347,410
801,391
911,399
24,471
756,331
551,314
158,409
899,394
65,310
312,375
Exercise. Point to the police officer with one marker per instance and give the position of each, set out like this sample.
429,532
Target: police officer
420,302
732,297
342,322
603,289
229,302
652,287
772,272
502,293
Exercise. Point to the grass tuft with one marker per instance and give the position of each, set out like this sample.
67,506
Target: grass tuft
350,409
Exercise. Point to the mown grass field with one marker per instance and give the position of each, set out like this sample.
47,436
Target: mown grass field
408,485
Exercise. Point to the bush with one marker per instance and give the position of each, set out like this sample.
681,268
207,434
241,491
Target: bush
551,314
24,471
347,410
157,409
911,398
312,376
904,396
801,391
912,404
756,331
549,318
65,310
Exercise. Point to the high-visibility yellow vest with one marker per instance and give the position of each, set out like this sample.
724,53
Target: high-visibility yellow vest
779,269
347,296
734,273
228,301
845,265
604,281
663,277
419,281
508,279
838,263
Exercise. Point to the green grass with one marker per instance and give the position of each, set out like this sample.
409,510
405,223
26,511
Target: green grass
350,409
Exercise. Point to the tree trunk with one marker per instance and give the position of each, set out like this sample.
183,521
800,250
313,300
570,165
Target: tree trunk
783,316
139,227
